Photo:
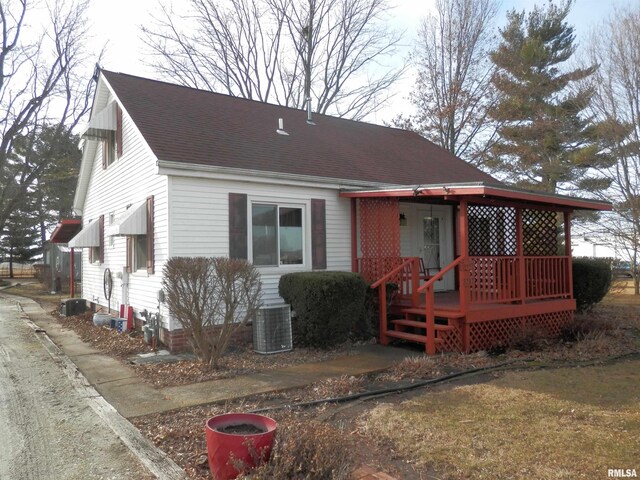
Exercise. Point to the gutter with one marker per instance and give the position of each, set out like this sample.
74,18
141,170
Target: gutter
167,167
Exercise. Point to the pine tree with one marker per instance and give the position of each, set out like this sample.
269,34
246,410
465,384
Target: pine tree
20,242
547,141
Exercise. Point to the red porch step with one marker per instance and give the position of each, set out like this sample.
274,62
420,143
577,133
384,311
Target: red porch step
418,324
440,312
411,337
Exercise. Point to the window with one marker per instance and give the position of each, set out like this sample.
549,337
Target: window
109,149
96,252
139,252
112,141
138,226
276,234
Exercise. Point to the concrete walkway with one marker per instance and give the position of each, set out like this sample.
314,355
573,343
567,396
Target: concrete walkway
131,396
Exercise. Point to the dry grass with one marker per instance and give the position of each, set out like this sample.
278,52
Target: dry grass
36,291
566,423
621,292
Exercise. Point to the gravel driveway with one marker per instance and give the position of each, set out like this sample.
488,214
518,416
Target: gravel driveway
48,429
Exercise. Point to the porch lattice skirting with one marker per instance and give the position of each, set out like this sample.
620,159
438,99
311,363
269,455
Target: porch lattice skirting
487,334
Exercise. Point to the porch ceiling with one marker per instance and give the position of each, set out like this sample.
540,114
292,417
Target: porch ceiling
456,192
66,230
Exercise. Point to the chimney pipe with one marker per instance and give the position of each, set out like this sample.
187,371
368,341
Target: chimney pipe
309,119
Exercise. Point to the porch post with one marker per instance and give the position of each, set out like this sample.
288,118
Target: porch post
522,269
463,269
567,252
354,236
464,252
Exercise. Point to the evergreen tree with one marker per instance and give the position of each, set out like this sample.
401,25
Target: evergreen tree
54,150
21,240
547,142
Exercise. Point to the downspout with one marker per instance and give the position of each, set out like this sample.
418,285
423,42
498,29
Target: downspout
354,236
125,287
72,283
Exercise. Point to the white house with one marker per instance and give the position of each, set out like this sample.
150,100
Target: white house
174,171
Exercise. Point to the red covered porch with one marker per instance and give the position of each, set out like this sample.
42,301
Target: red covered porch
473,264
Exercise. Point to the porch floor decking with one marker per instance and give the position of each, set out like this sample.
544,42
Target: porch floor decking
447,305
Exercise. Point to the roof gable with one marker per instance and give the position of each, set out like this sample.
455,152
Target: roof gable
186,125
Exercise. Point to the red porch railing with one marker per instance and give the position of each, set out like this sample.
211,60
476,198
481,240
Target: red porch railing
493,279
482,281
547,277
407,277
429,306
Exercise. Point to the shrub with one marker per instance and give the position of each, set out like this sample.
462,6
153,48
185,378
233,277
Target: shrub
582,327
591,281
211,298
327,305
306,450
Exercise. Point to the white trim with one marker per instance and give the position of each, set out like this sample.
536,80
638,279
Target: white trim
305,206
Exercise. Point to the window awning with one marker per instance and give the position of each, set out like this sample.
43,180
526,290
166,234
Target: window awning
89,236
133,222
102,123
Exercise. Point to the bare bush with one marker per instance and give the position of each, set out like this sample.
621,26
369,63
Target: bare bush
211,298
584,327
307,450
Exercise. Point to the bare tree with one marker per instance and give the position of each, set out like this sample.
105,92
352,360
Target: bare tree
616,47
453,88
280,51
40,85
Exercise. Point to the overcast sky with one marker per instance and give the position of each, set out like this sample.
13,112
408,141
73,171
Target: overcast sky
125,50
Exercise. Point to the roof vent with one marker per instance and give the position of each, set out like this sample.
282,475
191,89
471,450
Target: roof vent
280,130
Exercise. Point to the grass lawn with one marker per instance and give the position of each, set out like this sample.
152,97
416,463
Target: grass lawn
551,424
564,423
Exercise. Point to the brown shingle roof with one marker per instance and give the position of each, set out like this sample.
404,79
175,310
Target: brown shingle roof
183,124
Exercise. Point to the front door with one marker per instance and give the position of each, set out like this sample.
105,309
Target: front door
435,243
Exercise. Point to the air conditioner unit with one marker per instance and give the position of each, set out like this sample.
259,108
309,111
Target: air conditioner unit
72,306
272,330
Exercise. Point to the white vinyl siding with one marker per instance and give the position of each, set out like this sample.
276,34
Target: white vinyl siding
200,222
128,181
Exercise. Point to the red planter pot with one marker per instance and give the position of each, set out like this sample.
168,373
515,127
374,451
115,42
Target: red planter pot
231,454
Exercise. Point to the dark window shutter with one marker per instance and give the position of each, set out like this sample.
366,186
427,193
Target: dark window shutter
118,131
150,240
101,245
318,234
91,255
238,226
